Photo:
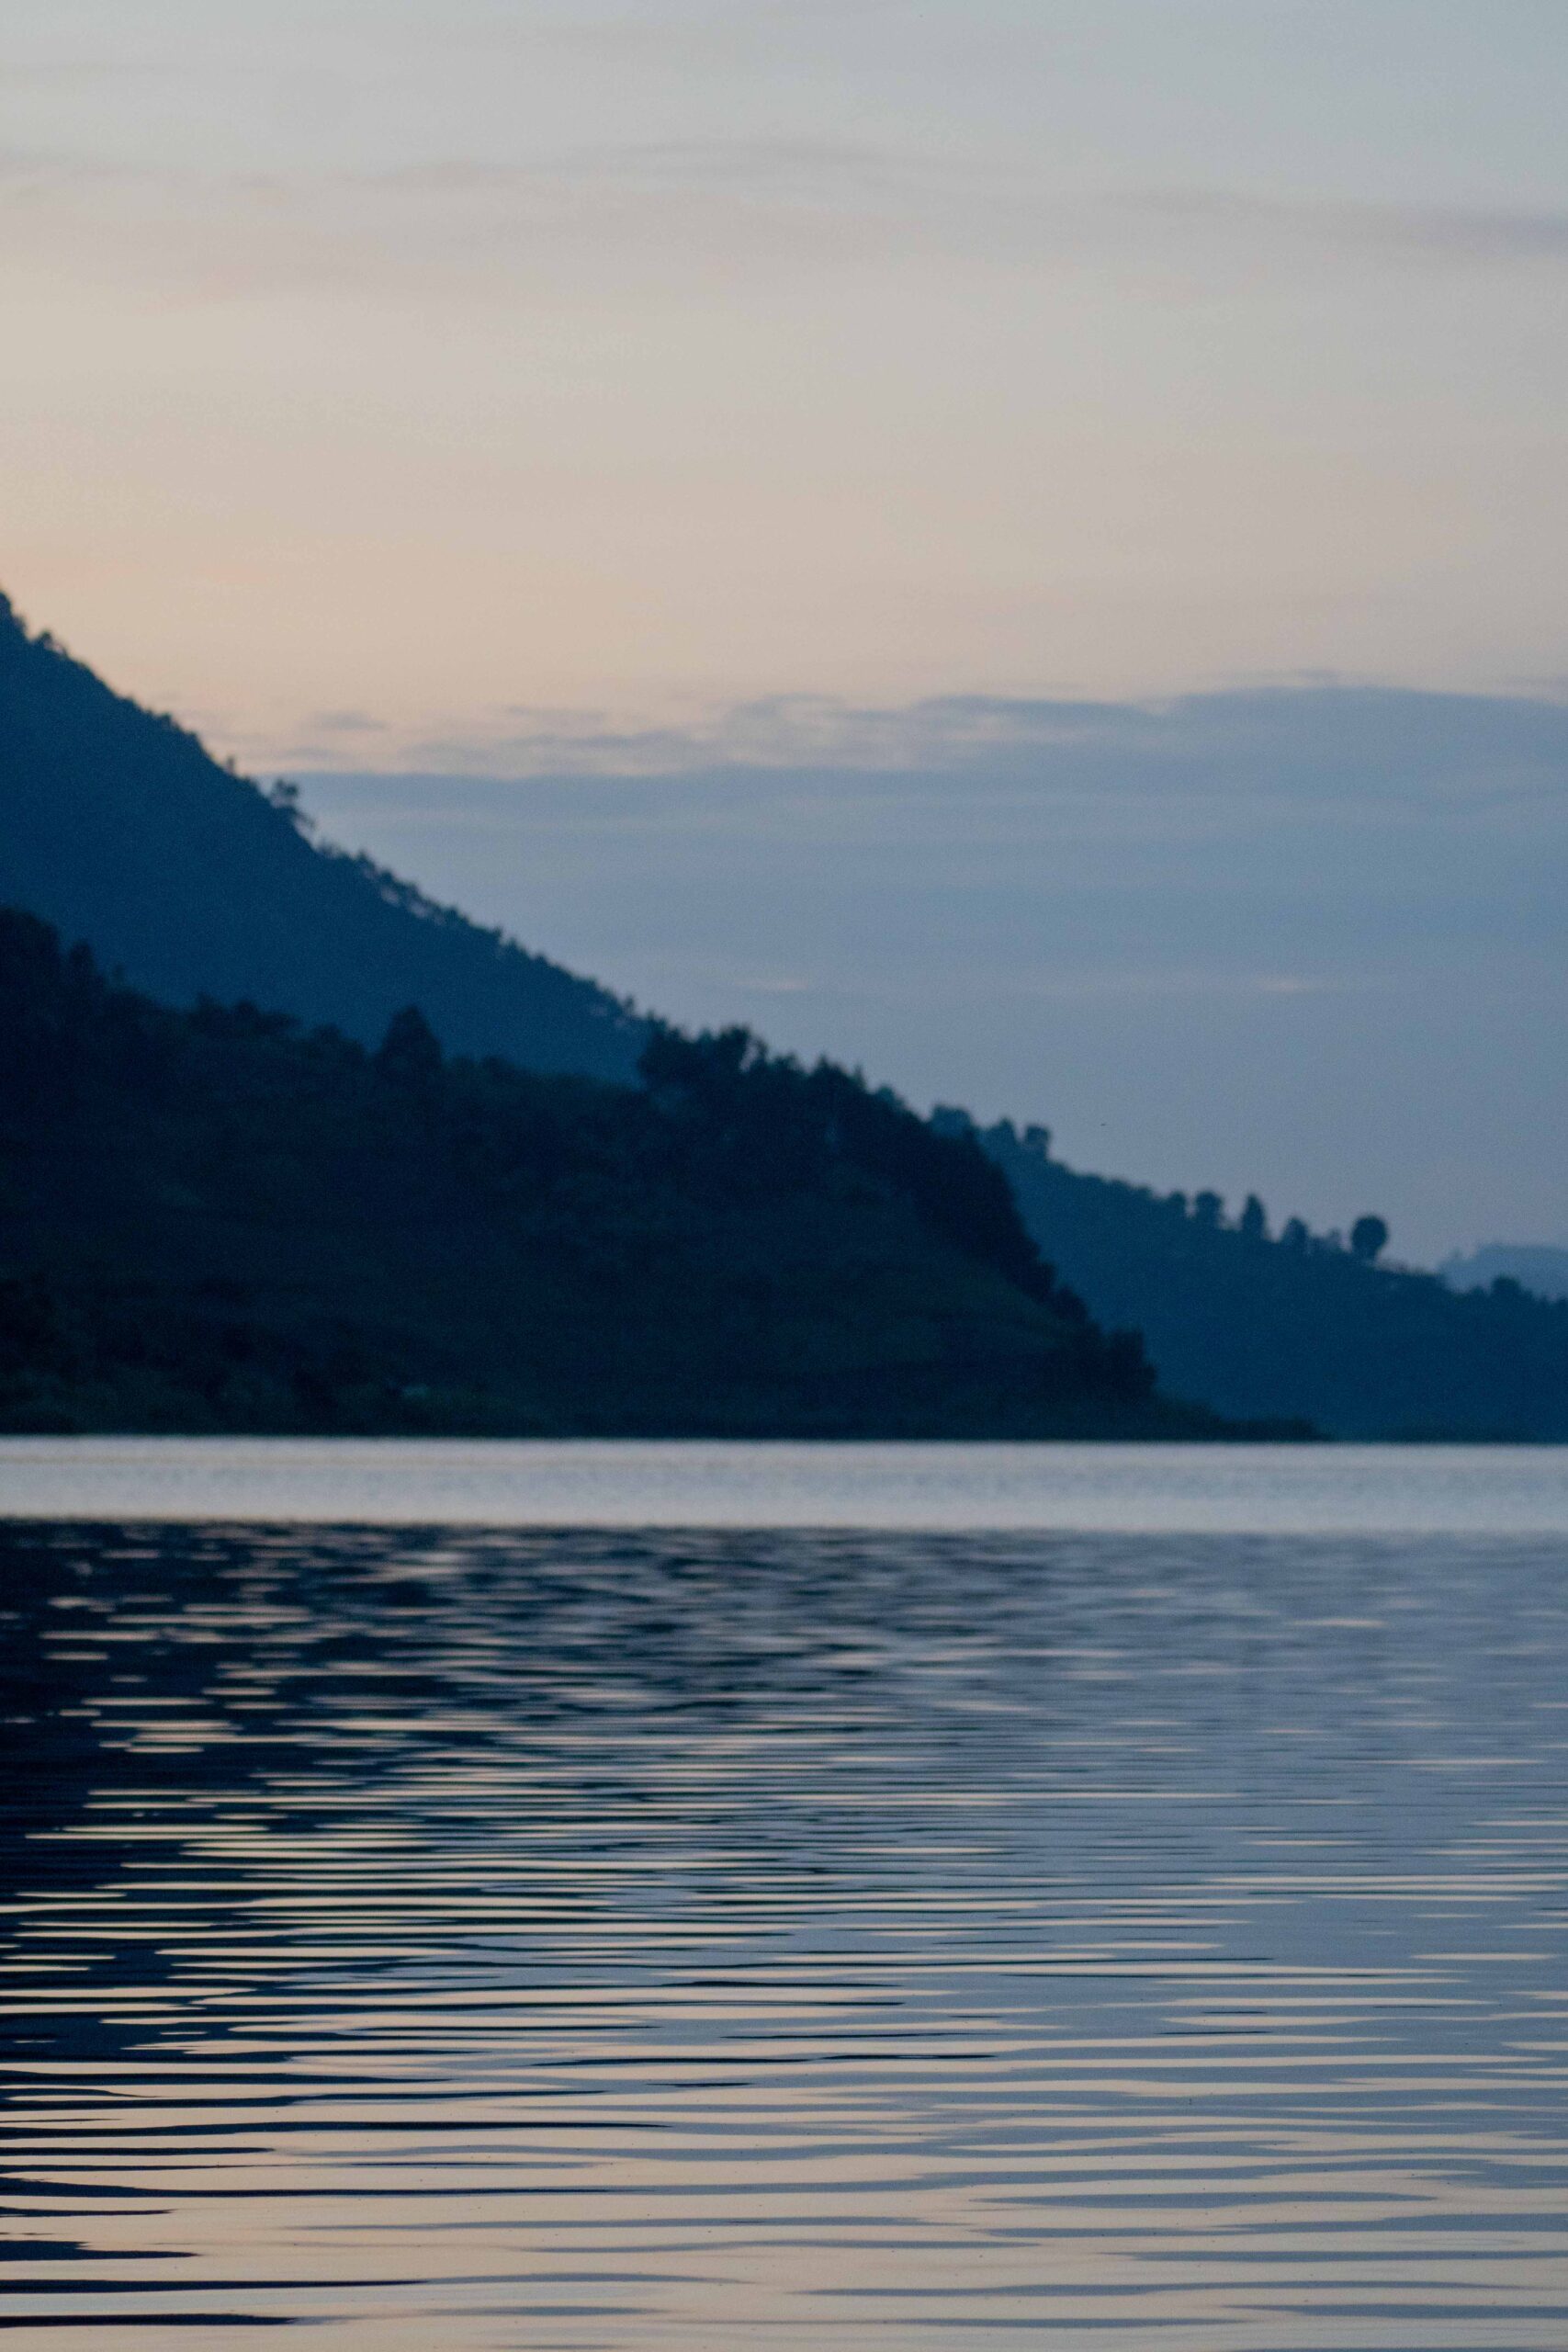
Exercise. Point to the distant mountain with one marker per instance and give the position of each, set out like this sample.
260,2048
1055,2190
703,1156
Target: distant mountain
1296,1324
840,1298
1532,1265
215,1219
117,825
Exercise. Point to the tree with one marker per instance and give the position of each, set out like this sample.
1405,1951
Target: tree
1208,1211
1253,1223
1368,1235
409,1052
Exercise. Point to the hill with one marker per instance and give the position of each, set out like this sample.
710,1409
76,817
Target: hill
1533,1265
117,826
1297,1323
216,1219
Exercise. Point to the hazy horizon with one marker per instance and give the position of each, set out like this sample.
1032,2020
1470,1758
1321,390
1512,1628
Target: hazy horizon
1305,942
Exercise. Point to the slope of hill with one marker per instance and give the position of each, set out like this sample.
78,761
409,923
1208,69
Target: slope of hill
216,1220
117,826
1534,1265
1298,1324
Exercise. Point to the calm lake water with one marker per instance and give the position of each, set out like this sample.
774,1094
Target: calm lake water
591,1899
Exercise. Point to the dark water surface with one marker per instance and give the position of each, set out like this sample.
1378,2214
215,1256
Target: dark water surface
427,1940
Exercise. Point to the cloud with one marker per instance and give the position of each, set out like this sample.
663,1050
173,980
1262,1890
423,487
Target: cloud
774,187
1313,743
71,73
671,209
1453,234
790,170
345,722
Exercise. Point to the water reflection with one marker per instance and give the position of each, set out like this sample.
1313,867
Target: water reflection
451,1939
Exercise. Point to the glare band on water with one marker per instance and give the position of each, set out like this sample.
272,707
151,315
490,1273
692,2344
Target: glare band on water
1124,1490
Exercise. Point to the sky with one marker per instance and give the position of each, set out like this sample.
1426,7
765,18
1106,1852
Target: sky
1306,943
754,414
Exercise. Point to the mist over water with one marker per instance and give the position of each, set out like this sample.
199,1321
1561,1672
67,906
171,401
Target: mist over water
432,1936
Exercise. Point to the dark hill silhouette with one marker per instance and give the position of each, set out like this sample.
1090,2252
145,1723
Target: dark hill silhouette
215,1219
1535,1266
1301,1323
117,825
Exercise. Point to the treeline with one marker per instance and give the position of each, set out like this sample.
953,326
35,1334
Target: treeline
1293,1322
221,1219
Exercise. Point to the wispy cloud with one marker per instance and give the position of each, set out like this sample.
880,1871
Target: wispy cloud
71,73
1313,738
345,722
671,206
1463,235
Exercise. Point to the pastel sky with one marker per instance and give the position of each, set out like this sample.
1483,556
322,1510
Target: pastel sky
419,358
484,389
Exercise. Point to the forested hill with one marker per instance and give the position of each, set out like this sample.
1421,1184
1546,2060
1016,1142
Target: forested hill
1534,1266
1296,1323
117,826
215,1219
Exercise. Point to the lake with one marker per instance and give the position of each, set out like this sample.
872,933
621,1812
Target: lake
583,1899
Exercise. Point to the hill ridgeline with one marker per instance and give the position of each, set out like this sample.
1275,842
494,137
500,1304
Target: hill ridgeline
118,827
643,1269
1294,1323
215,1219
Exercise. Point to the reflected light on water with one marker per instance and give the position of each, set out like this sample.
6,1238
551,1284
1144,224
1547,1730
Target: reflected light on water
597,1482
474,1939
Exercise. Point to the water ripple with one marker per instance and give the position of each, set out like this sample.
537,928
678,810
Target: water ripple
586,1942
